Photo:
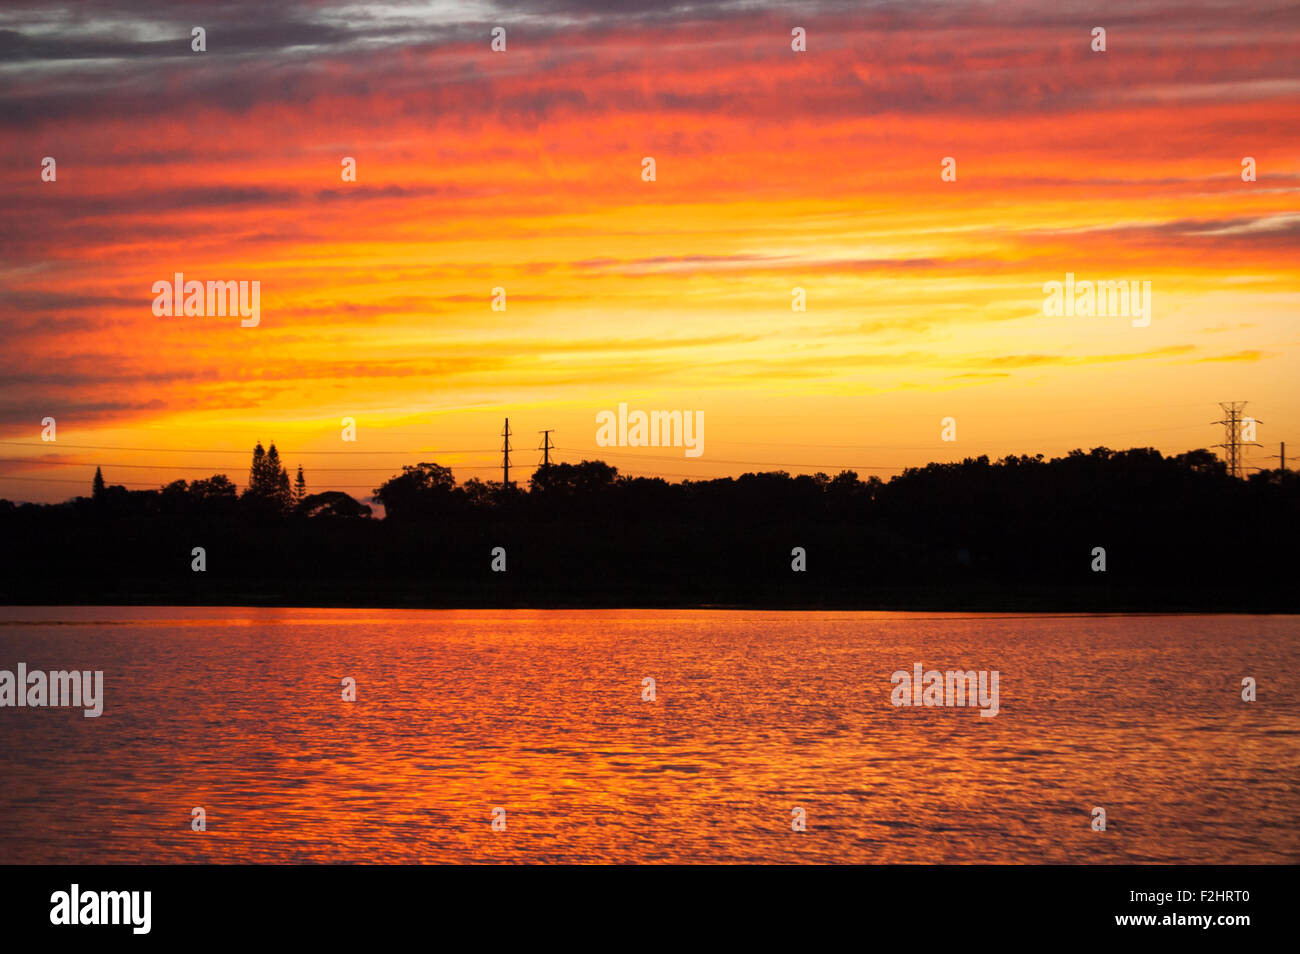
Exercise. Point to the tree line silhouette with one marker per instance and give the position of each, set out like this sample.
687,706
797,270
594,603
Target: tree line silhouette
268,495
1021,532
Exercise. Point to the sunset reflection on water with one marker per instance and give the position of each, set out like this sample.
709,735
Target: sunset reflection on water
541,712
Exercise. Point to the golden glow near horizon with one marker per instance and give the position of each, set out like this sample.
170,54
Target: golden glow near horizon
774,170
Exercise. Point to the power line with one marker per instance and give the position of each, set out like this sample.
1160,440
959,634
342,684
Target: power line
246,452
1232,444
1280,457
111,464
72,480
991,441
603,452
490,450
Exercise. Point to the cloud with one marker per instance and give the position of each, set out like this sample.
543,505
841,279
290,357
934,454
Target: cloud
1239,356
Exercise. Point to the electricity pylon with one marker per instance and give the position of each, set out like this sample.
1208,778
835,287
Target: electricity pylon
1232,442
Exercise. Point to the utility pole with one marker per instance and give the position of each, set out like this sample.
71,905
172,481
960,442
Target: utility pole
1281,456
1232,442
546,446
505,455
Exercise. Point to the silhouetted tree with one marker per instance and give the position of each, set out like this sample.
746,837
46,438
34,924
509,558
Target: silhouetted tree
421,491
97,487
257,473
281,492
299,487
480,495
333,503
215,487
268,481
570,480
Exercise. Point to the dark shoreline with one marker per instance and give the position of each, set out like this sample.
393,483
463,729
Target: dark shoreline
1098,532
1038,600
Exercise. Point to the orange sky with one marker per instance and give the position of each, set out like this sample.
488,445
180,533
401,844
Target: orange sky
522,170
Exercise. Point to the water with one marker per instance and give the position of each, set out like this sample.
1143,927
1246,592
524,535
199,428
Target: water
540,713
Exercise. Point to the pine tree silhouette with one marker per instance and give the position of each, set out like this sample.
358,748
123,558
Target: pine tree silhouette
256,474
268,480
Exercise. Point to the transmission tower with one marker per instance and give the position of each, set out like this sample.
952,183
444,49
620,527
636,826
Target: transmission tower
546,446
1232,442
505,455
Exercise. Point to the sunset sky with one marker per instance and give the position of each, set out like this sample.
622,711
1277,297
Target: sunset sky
523,169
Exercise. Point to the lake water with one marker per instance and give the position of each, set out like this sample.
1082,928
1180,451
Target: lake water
755,713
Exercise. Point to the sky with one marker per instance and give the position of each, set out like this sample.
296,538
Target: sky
523,170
